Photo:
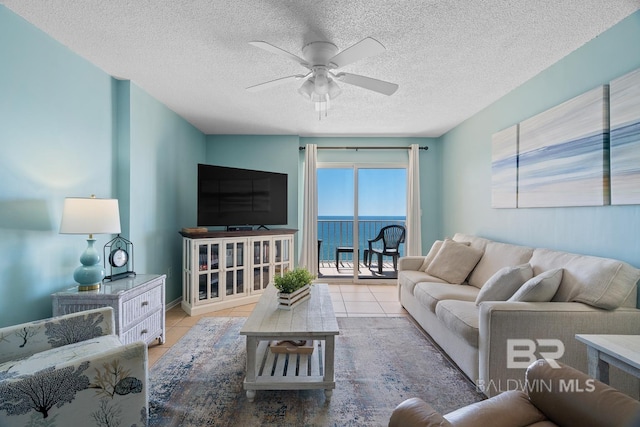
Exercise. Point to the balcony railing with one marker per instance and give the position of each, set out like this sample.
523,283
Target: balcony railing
334,233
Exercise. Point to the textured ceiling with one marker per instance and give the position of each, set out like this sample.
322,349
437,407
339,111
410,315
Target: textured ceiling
451,58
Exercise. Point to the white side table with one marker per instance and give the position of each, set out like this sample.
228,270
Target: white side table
138,303
621,351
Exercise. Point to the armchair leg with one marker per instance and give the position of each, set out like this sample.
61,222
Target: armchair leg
379,263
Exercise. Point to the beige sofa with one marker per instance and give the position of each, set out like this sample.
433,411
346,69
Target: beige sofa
592,295
547,402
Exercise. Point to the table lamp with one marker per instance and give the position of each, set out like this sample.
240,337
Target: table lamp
90,216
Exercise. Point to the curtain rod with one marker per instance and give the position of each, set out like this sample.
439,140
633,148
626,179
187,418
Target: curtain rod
366,148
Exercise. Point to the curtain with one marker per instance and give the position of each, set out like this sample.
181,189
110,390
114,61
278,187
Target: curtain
309,247
413,238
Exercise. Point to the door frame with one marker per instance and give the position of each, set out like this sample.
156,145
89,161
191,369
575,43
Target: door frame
356,166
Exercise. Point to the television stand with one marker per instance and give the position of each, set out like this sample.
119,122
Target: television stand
262,227
225,269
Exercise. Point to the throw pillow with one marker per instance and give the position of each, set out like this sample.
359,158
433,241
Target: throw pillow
540,288
431,255
454,261
435,248
504,283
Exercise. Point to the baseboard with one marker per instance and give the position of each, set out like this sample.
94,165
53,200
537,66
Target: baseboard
172,304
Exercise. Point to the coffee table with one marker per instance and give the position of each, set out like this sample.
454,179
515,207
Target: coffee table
314,320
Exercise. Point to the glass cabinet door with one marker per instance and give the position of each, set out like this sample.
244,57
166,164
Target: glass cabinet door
282,256
234,268
261,261
208,271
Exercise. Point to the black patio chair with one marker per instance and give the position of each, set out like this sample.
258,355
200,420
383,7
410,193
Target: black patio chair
391,236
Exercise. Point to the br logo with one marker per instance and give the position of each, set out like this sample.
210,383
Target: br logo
522,352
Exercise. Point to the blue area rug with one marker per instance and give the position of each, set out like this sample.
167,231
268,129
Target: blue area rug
379,363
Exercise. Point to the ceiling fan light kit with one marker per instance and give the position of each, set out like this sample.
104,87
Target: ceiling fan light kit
321,58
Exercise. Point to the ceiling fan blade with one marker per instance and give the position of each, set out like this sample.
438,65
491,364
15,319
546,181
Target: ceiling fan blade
363,49
276,82
274,49
375,85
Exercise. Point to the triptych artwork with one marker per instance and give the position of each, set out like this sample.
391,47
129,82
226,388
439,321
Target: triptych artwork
583,152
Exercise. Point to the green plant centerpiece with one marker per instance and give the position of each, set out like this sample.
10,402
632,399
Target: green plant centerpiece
294,288
293,280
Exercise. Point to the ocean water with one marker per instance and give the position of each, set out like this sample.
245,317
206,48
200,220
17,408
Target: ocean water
338,231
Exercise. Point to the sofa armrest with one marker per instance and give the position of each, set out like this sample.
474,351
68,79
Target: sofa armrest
502,322
111,384
416,412
410,263
569,397
508,409
25,339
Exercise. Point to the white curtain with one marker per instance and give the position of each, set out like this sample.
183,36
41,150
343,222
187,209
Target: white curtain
413,238
309,248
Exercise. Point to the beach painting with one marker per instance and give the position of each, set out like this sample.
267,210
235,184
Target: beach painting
563,154
504,168
625,139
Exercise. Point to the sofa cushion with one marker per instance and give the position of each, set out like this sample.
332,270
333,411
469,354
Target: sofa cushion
454,261
461,318
410,278
599,282
60,355
430,294
504,283
496,256
540,288
473,241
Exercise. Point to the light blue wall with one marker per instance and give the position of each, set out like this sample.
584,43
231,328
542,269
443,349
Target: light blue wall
164,152
56,138
612,231
69,129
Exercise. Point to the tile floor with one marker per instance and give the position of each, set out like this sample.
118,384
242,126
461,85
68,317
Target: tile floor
349,300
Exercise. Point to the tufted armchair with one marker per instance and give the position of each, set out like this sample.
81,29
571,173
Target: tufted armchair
72,370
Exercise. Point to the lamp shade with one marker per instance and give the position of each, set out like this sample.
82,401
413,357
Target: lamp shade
90,216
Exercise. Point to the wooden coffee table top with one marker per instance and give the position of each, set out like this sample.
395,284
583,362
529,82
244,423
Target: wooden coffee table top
312,318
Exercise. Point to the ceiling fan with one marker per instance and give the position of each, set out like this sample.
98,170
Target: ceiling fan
322,60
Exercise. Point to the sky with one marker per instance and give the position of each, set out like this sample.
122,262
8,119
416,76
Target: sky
382,192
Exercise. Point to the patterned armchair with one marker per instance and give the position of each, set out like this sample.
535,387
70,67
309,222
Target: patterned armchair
72,370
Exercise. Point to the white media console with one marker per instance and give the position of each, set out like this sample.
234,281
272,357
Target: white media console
225,269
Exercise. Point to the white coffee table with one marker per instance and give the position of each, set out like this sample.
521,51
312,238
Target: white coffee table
314,320
622,351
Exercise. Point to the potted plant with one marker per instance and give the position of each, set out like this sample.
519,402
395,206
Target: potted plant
293,287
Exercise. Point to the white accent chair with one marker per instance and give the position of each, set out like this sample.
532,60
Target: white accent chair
72,370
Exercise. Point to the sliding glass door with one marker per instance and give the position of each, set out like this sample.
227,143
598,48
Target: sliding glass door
382,202
354,203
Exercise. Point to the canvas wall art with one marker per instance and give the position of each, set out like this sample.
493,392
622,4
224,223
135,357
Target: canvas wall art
504,168
563,154
625,139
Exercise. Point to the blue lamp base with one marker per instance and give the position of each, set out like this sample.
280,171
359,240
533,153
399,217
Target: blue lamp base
90,274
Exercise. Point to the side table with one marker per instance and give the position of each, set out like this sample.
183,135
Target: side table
138,303
621,351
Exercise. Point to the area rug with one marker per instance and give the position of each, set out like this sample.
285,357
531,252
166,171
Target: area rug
379,363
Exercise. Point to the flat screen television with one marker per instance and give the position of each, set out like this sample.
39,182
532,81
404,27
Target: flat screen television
237,197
